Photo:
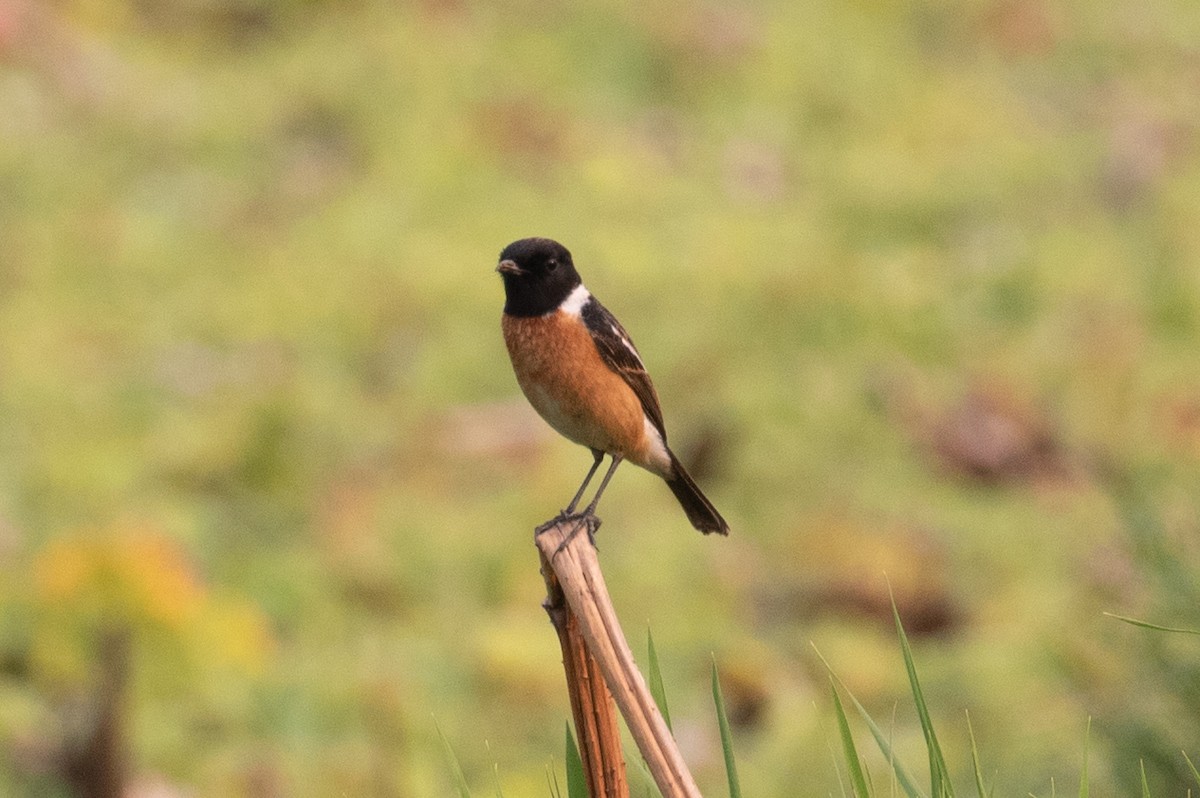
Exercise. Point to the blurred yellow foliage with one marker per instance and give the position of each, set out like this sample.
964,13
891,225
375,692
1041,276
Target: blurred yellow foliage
139,580
129,576
237,631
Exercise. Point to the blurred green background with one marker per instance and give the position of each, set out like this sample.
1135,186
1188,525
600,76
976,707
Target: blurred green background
919,284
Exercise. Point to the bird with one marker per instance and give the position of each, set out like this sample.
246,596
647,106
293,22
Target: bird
580,370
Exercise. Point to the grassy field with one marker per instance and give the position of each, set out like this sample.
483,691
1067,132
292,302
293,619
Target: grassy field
919,285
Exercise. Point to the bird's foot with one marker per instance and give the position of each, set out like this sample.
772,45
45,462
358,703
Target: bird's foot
587,520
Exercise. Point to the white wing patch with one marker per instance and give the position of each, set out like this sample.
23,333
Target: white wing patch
617,331
575,301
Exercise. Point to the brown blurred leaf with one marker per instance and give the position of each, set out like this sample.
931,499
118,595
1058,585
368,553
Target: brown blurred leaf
703,452
700,36
845,566
992,436
77,66
747,693
1139,152
1022,27
1182,422
523,128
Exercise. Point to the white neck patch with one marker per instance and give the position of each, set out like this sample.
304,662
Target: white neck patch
575,301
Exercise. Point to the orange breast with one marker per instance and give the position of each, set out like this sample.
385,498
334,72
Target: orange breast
561,372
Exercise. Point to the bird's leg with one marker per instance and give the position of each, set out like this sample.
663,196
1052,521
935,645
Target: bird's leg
599,455
616,461
586,520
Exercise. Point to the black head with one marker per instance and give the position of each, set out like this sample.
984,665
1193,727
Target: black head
538,275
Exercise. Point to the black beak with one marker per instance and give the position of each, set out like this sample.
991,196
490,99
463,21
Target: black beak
509,267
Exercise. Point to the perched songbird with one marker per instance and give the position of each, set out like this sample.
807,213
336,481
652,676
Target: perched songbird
581,372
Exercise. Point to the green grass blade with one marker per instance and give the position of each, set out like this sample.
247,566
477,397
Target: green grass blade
1154,626
460,781
1083,775
656,683
552,782
979,785
939,779
1145,786
735,789
645,785
857,780
906,783
833,759
576,778
495,771
1191,767
496,778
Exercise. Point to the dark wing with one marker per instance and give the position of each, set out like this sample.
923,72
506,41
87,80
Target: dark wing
618,352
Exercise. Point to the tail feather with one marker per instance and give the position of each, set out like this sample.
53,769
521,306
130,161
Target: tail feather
699,509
